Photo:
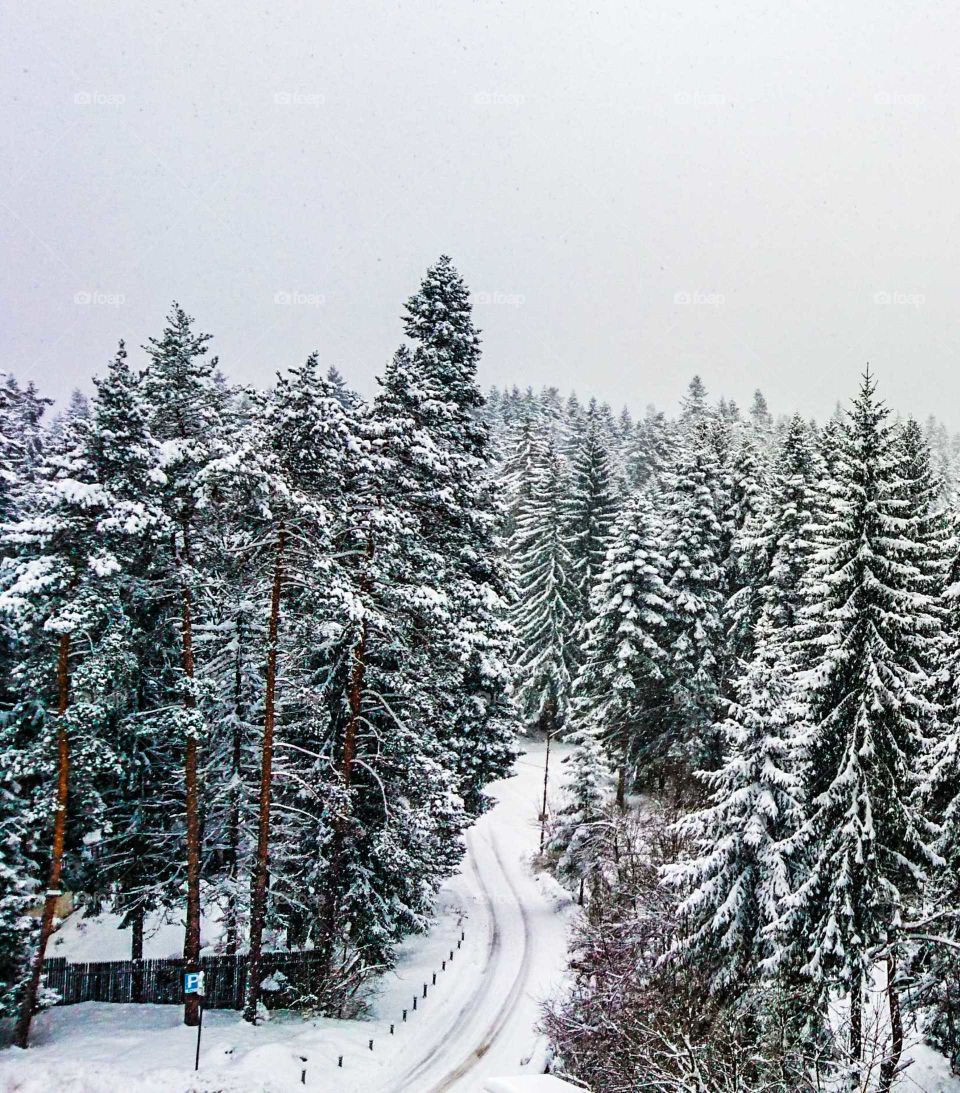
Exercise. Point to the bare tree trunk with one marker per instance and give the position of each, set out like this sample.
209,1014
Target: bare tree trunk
356,699
888,1068
622,786
337,847
136,950
546,782
191,941
357,674
258,907
856,1027
136,939
232,916
32,987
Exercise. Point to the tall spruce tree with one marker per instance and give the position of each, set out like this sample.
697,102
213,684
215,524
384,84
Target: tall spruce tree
543,614
591,508
455,499
579,832
622,688
132,864
871,698
185,401
693,545
743,866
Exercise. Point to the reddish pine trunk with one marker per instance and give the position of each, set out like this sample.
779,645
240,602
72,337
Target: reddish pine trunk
258,908
32,987
191,941
355,698
232,915
329,913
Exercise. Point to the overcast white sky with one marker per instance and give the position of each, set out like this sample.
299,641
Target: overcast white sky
765,193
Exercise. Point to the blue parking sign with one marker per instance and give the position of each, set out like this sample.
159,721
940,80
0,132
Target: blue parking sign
193,982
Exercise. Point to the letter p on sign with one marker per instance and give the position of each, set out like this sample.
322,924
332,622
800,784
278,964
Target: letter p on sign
193,982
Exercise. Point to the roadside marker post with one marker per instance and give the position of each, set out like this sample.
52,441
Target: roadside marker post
193,984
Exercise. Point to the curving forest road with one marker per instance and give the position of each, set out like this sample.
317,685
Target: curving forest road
486,1026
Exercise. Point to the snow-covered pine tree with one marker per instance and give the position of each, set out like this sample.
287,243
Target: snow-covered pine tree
185,400
283,475
647,449
591,508
26,408
694,403
132,864
543,613
937,962
59,581
518,469
579,831
772,547
17,892
455,498
761,420
743,863
621,693
16,885
395,816
871,704
693,545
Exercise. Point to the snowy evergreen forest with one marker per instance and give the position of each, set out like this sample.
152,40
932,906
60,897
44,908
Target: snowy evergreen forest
265,649
255,648
748,629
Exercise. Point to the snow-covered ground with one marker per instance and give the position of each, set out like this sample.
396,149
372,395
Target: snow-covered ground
478,1022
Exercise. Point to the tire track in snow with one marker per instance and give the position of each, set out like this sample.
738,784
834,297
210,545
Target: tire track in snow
476,996
513,996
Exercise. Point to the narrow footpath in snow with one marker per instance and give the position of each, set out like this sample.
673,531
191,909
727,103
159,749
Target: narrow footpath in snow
478,1020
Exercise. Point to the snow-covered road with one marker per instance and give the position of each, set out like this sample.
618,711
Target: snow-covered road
489,1029
478,1020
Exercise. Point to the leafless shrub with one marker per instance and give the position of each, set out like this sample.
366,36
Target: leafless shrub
632,1020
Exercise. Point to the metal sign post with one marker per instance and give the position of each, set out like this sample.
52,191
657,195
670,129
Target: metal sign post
193,984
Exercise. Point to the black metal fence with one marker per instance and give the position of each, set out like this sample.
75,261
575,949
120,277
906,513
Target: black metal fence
290,980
